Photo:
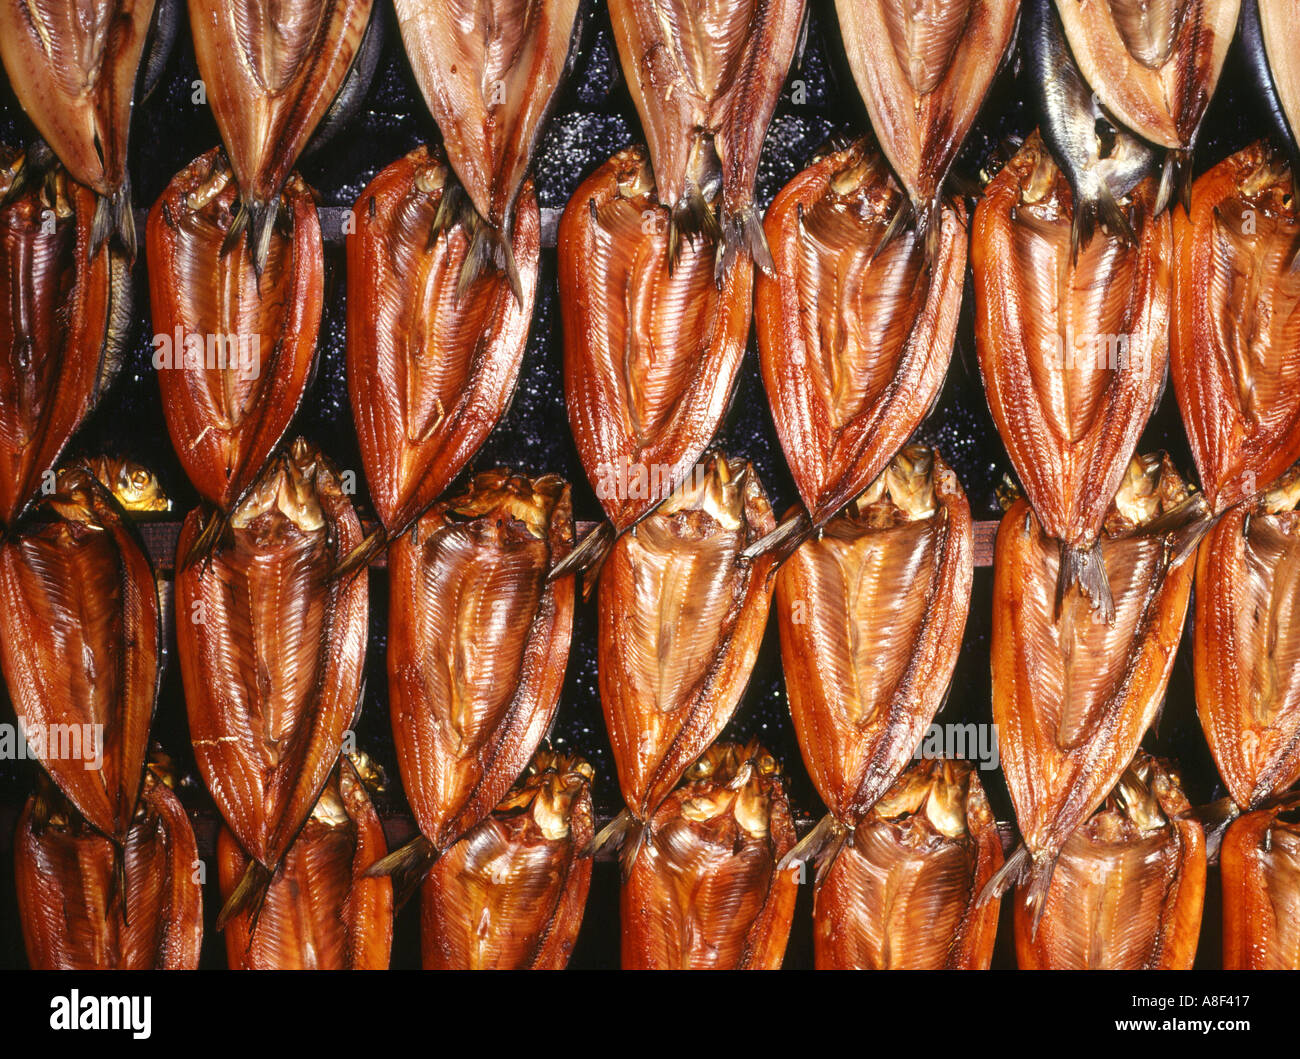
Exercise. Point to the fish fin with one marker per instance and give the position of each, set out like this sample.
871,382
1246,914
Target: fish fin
589,555
691,216
1182,177
406,866
114,218
237,228
1013,872
821,846
361,556
1215,819
624,835
1165,189
1099,208
261,225
206,539
1084,567
742,232
783,541
904,216
249,893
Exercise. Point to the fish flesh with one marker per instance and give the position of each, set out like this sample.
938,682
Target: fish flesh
652,349
871,613
270,72
510,895
923,68
901,891
681,614
1235,339
1102,162
63,322
1153,65
489,71
234,348
87,905
1072,352
1073,695
1247,643
73,68
705,79
855,330
321,911
478,639
80,636
431,367
1129,887
272,650
1259,861
701,887
1274,78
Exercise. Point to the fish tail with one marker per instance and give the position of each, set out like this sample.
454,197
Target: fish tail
903,216
588,556
624,835
406,866
237,228
691,216
783,541
742,234
361,556
249,893
206,540
1100,207
1038,884
1013,872
1084,567
820,846
114,220
261,224
1181,163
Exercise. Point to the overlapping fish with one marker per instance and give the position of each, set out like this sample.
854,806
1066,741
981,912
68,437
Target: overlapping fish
1259,861
478,639
431,364
510,895
1129,887
321,911
902,890
489,72
74,911
923,69
270,72
705,79
272,650
681,617
871,613
1073,695
1072,351
855,329
702,890
234,346
1235,339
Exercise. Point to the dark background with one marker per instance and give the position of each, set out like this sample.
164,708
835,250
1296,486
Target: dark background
594,117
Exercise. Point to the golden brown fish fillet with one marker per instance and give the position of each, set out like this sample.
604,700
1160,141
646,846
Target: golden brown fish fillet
271,69
80,636
478,639
72,64
924,67
321,911
70,898
1247,643
1260,865
701,889
510,895
1235,342
681,617
901,890
854,336
1129,887
871,613
1073,695
705,79
272,650
431,366
1072,351
234,349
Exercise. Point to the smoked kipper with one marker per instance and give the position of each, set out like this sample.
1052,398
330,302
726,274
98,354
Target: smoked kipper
1259,862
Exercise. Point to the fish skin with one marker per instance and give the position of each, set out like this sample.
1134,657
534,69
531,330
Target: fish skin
1270,85
224,427
271,71
80,641
666,697
72,915
478,642
1245,665
883,593
510,894
72,64
1277,22
701,887
321,912
705,80
1124,896
1070,417
902,893
847,392
1156,79
643,398
1067,730
273,671
1259,862
1235,336
431,369
921,116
